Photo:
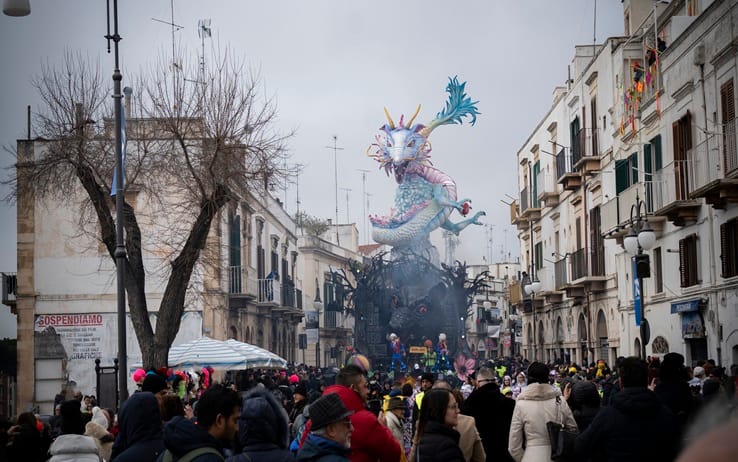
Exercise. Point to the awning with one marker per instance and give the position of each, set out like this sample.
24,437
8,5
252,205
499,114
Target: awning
686,306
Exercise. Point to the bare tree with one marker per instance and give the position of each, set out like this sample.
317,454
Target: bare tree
193,146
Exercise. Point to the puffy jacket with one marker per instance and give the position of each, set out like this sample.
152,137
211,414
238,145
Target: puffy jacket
537,405
74,448
370,440
439,443
263,429
635,427
139,436
182,436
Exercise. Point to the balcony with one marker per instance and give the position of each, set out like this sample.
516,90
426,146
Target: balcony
548,280
547,189
671,192
530,207
615,213
585,155
10,289
516,218
565,174
587,275
716,168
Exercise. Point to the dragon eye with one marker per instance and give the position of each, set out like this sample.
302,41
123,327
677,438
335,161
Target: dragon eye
389,143
411,144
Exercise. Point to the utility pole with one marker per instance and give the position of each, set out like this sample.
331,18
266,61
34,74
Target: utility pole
335,175
348,219
364,201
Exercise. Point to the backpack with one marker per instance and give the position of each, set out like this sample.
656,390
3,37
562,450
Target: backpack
195,453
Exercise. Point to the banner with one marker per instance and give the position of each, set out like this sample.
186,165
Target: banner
636,292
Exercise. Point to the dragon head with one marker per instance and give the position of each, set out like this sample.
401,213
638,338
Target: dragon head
399,147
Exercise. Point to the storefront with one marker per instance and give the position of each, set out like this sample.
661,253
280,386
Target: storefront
693,328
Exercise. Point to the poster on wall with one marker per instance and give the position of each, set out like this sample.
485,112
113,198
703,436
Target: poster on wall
85,337
312,324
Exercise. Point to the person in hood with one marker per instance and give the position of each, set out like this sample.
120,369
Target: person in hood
217,415
537,404
635,427
584,401
97,428
263,429
139,430
71,445
371,440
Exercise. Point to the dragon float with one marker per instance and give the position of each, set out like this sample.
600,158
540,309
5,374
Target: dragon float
425,196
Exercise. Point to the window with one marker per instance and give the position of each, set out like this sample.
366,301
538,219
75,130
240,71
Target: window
658,280
729,248
539,256
730,150
234,240
626,173
576,140
682,133
597,242
688,263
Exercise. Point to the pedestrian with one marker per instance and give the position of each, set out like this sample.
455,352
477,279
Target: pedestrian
469,441
329,439
519,385
396,418
217,415
370,440
536,405
263,429
436,438
492,413
97,428
584,401
71,445
139,436
26,440
635,427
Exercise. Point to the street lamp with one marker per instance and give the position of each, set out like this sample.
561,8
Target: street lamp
640,238
16,7
531,285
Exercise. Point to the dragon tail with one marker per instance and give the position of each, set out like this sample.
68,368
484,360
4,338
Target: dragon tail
458,106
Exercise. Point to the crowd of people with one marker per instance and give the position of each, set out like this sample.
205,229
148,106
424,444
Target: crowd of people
504,410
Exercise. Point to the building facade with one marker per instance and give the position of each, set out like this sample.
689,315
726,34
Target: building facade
648,117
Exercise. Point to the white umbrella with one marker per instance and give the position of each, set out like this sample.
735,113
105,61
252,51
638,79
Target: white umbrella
255,356
207,352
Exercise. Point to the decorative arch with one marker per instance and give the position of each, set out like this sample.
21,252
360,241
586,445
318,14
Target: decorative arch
637,347
233,332
541,337
583,339
602,343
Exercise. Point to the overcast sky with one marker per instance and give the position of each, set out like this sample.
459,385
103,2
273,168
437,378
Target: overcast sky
333,66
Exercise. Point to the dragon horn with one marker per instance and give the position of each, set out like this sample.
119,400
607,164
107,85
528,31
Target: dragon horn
426,131
410,122
389,119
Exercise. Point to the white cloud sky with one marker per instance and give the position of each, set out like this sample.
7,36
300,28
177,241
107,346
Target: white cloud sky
333,66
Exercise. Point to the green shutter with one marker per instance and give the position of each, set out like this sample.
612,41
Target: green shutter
647,164
633,170
621,176
656,142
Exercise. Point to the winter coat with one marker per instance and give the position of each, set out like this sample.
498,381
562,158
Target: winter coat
537,405
263,429
470,442
492,413
182,436
103,439
74,448
370,440
319,449
635,427
439,443
28,445
678,398
139,436
395,426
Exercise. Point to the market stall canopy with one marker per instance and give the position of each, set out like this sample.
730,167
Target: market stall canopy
207,352
256,357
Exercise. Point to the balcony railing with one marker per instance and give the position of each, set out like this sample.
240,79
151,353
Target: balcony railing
675,182
10,288
269,291
236,280
524,200
578,261
264,290
563,164
577,147
716,157
331,319
560,274
546,183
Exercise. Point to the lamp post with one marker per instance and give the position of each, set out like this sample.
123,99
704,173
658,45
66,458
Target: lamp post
640,238
533,285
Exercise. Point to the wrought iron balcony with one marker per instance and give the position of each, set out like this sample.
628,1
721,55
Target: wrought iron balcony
565,174
672,190
547,188
716,167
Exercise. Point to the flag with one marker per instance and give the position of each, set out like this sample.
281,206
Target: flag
122,151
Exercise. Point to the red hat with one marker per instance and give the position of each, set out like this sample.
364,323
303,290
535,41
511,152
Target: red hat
294,379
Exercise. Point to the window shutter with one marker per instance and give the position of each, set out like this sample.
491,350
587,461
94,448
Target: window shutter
724,250
633,168
647,165
621,176
683,263
730,150
658,162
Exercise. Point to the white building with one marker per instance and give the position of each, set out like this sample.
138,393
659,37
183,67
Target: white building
669,108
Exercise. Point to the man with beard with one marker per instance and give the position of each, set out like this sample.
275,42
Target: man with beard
217,414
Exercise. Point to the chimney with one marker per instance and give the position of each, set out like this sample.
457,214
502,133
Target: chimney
127,91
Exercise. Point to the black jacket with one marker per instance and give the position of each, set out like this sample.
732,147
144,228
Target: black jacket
636,427
139,430
263,429
182,436
439,443
493,415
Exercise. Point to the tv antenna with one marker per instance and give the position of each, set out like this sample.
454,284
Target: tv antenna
348,190
335,173
175,28
203,31
364,201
